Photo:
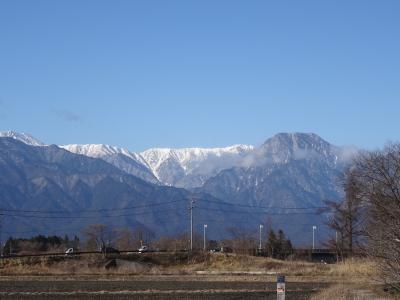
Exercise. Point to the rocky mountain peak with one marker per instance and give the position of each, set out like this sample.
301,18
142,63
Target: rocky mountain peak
284,147
22,137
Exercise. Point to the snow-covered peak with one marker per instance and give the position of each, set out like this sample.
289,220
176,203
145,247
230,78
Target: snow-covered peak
239,148
184,156
102,150
22,137
200,163
123,159
95,150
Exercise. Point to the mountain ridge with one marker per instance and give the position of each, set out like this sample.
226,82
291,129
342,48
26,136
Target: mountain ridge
191,167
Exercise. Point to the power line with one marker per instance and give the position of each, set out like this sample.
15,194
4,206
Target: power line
92,210
154,205
80,227
21,213
258,207
86,217
257,212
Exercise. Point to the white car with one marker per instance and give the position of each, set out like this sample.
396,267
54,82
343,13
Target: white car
143,249
69,251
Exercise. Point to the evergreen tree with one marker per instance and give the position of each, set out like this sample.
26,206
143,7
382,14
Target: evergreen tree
76,242
278,246
66,241
271,243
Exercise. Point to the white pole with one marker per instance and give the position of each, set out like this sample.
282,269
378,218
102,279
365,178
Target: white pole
313,240
261,227
204,242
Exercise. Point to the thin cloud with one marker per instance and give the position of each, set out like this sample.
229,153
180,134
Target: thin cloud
67,115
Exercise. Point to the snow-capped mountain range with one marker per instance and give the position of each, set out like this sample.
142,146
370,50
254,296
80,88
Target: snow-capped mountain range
192,167
287,170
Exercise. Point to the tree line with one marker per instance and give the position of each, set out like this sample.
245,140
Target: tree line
96,237
39,243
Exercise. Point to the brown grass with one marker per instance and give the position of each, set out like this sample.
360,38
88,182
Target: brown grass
357,269
351,292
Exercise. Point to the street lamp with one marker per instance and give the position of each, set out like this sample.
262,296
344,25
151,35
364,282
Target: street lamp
313,239
261,227
204,236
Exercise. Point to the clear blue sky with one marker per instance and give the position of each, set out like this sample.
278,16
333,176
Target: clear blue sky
141,74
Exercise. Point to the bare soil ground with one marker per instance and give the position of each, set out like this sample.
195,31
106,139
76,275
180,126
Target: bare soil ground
154,287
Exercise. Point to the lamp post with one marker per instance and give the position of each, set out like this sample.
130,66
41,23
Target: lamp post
261,227
313,238
204,236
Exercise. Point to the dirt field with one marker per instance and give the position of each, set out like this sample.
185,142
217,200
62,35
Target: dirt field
155,287
166,276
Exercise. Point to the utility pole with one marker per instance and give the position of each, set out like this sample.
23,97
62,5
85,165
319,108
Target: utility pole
336,239
191,223
204,237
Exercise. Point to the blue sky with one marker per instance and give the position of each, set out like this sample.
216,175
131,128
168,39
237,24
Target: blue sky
142,74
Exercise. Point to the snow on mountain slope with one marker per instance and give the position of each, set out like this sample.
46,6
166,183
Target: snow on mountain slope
288,169
284,147
22,137
187,167
191,167
97,150
123,159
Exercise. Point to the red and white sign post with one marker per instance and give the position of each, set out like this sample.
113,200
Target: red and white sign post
280,287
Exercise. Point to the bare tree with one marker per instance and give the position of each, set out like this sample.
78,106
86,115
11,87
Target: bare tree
125,239
377,176
143,236
98,236
242,241
347,216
